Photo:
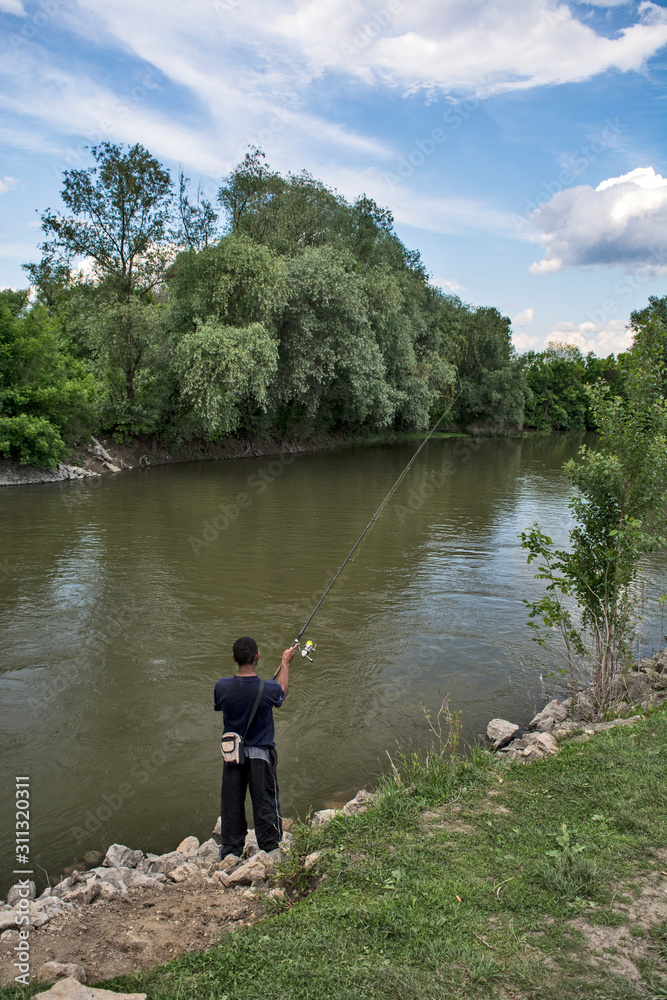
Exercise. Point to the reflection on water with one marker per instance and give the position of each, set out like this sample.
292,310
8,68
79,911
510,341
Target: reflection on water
122,597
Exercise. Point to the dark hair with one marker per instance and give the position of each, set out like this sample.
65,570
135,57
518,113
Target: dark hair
244,650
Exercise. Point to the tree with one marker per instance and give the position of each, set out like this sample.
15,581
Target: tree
198,218
122,209
220,368
620,514
46,396
492,384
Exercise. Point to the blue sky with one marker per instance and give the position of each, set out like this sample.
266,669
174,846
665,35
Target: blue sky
520,144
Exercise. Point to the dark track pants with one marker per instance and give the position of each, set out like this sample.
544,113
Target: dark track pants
260,777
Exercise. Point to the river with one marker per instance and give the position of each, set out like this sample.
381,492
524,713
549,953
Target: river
120,599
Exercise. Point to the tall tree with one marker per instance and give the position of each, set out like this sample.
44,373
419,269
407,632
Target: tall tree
121,210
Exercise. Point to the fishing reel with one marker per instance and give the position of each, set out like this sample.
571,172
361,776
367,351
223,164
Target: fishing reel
308,648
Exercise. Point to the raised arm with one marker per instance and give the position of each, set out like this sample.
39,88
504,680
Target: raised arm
282,676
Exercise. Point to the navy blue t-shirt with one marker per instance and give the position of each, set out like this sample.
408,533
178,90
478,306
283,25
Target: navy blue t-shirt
235,696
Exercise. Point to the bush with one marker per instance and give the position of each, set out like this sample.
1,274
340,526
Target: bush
31,441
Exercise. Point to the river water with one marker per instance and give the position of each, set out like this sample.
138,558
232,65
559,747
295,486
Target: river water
120,599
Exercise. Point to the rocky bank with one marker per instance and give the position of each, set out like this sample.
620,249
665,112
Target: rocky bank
133,910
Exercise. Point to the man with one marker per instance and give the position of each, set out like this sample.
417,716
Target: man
235,697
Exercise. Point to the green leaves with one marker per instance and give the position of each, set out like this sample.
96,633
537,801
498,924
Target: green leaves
620,515
221,366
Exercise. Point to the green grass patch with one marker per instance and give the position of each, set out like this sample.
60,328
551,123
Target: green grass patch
469,879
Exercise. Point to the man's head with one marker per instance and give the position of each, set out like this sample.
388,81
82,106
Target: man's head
244,651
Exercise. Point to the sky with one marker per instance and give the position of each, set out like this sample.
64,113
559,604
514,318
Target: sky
520,144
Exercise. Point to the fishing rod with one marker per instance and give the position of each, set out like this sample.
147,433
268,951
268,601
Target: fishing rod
309,647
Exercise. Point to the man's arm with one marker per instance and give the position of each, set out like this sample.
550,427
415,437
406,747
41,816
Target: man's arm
282,677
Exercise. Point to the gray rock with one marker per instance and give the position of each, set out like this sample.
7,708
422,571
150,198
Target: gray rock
323,816
500,731
252,871
638,687
134,879
217,829
584,710
83,895
660,662
50,972
188,847
539,745
21,892
53,905
251,846
359,803
71,989
164,863
93,858
208,851
119,856
183,872
550,716
8,920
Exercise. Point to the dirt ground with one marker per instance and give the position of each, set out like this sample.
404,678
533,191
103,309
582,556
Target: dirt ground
136,932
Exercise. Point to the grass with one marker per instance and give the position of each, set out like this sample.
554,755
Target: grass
467,880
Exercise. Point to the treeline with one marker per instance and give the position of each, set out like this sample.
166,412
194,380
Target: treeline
282,309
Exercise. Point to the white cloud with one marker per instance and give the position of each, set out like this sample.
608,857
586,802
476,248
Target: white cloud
12,7
524,318
458,46
450,285
6,184
622,221
603,339
523,342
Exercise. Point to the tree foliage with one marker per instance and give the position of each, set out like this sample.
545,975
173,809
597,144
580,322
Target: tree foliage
46,396
309,315
620,514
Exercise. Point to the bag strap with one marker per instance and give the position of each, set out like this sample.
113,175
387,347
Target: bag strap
254,708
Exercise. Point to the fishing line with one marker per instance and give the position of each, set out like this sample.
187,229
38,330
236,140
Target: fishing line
311,646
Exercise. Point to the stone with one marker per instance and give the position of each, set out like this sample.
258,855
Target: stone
8,920
50,972
311,860
584,709
18,891
93,858
539,745
550,716
53,906
252,871
500,732
164,863
71,989
229,862
359,803
183,872
323,816
638,687
278,894
9,936
112,890
133,879
83,895
251,846
660,662
119,856
208,851
188,847
217,830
